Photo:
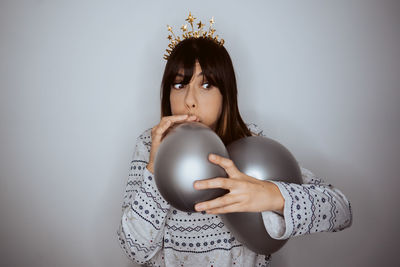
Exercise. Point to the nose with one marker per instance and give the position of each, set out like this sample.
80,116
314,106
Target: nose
190,99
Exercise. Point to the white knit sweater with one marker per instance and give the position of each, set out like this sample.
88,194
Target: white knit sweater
153,233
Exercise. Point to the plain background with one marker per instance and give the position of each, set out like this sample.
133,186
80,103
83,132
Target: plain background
80,80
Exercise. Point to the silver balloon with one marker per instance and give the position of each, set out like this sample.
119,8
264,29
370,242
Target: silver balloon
182,158
264,159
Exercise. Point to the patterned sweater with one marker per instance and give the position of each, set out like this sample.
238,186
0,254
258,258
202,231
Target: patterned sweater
153,233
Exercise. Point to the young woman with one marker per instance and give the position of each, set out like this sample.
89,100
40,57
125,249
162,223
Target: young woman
199,85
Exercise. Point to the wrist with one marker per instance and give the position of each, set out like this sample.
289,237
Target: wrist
278,200
150,168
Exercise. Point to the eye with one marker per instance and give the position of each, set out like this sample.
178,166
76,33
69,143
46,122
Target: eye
177,85
207,85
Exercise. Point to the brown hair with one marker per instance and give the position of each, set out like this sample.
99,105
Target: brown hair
217,67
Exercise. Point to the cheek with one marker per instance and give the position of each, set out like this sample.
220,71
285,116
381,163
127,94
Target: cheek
212,106
176,103
216,102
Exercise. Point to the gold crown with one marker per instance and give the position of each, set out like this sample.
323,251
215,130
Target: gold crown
187,34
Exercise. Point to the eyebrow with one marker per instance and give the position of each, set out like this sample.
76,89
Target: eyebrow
180,75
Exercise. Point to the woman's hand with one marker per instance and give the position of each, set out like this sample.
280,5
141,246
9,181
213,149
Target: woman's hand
247,194
159,131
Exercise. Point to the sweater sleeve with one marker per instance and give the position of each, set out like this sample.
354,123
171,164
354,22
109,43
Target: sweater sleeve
144,210
314,206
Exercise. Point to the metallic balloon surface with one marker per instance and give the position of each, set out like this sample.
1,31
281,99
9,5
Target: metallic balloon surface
264,159
182,158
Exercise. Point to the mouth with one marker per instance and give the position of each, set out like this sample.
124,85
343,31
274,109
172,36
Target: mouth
199,120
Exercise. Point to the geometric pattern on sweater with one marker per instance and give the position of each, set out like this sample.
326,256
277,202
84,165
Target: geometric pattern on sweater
332,211
150,195
138,247
197,228
310,197
203,251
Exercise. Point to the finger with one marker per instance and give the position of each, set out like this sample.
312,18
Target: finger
179,118
225,163
236,207
167,122
219,202
218,182
162,130
174,118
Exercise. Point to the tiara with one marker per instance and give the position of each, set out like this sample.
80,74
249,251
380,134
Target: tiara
193,33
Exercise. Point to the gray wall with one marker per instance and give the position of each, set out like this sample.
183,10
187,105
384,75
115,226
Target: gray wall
80,81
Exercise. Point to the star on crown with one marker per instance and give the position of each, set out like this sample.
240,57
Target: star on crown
174,40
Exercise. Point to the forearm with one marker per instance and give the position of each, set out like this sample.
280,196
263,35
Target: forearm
314,206
143,219
141,227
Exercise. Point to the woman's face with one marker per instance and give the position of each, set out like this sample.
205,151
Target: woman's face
196,98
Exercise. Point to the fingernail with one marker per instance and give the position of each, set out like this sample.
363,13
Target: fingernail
212,157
